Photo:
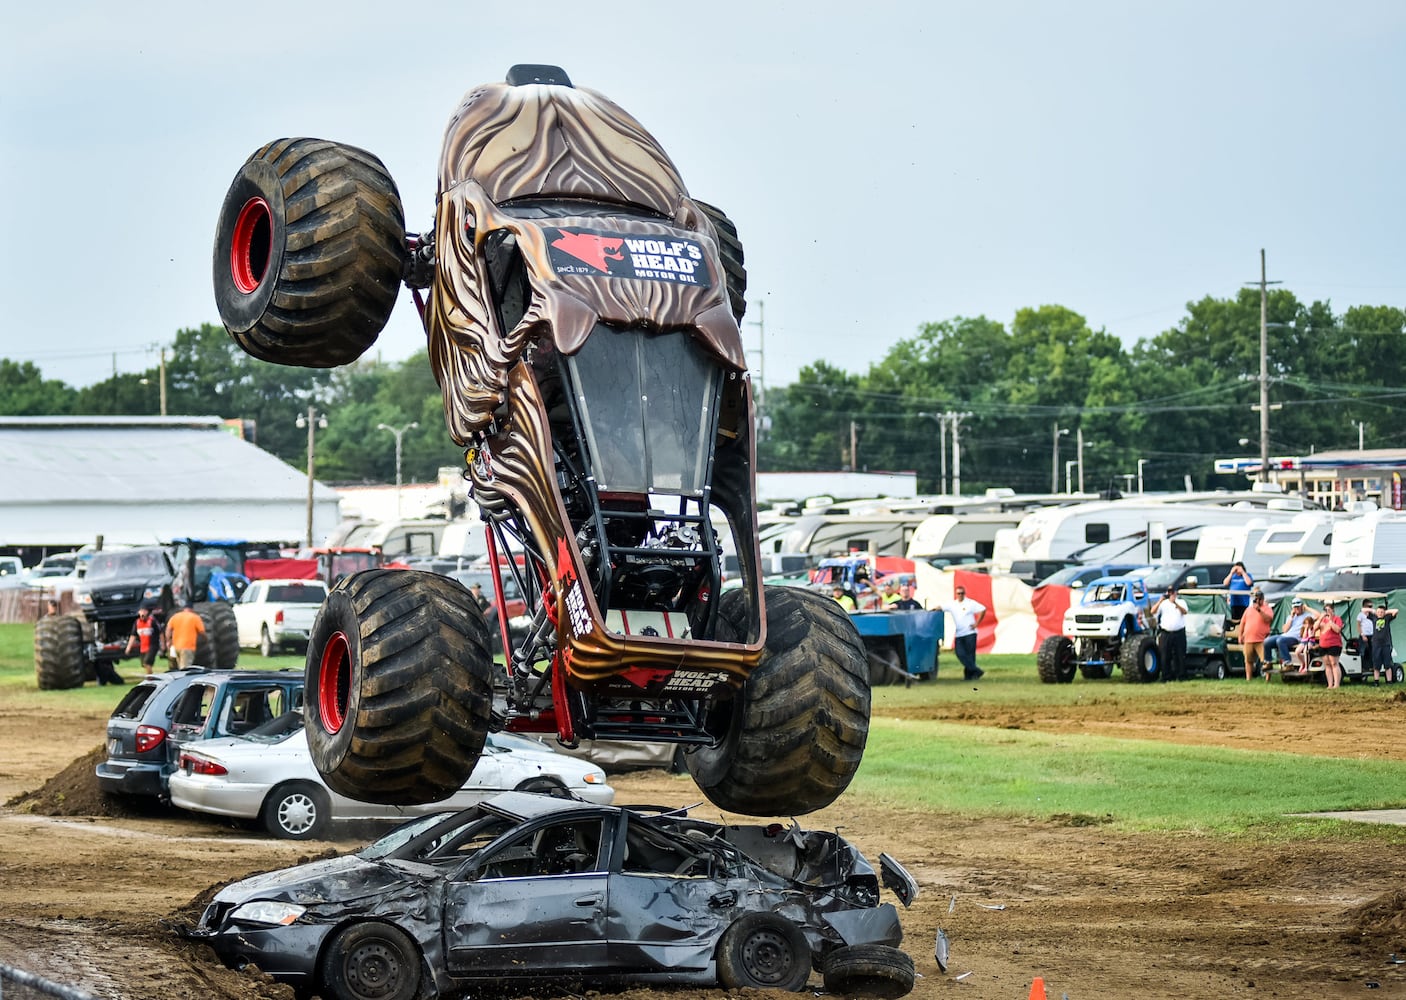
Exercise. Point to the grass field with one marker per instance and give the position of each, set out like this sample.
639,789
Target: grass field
985,771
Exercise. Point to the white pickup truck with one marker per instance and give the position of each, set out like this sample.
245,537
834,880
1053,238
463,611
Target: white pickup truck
274,614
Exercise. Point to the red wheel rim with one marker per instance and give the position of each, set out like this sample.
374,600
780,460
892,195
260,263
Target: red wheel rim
251,245
334,683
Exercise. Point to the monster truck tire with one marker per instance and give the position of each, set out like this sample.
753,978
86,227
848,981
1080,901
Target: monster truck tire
398,684
219,646
59,660
730,250
309,250
1139,659
869,970
1055,661
792,737
763,951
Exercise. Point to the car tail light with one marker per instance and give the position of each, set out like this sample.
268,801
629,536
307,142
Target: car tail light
149,738
278,617
191,764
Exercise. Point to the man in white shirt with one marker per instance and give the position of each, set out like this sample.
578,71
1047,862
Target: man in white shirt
1170,612
966,616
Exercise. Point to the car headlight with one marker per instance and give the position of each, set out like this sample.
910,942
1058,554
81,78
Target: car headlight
151,593
266,911
594,778
83,598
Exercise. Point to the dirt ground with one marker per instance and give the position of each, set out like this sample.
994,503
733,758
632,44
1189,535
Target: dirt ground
84,887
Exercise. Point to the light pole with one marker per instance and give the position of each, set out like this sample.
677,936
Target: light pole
1054,467
1141,464
312,421
399,433
1264,368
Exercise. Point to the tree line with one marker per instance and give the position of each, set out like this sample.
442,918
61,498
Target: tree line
1177,401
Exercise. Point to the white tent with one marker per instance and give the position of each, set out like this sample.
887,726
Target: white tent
136,480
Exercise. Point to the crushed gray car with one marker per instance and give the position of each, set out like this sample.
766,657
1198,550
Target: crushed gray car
532,887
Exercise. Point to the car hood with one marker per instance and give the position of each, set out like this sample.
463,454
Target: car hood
334,880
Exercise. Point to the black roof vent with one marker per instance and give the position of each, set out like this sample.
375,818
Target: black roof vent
525,73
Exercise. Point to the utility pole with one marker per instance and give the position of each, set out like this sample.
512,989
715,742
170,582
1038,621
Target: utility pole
163,381
942,445
956,419
399,433
1079,455
1264,368
760,324
853,446
311,422
1360,439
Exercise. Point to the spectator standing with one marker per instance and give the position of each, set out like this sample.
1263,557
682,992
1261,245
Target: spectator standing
1240,582
966,619
476,590
145,638
906,601
1170,612
843,599
1254,629
183,632
889,593
1329,642
1365,619
1382,651
1283,643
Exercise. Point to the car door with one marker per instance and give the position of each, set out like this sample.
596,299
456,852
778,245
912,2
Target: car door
661,913
532,904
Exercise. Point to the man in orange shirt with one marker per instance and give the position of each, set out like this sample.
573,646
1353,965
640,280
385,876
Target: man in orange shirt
183,631
1254,629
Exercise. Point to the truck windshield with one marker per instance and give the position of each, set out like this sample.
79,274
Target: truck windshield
648,404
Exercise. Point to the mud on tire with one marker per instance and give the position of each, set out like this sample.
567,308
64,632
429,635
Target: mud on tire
309,250
1056,661
398,687
794,735
59,660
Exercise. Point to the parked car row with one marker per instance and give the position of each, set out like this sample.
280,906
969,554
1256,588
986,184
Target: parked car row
231,743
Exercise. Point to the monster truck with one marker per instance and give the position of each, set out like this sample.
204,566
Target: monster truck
901,645
1108,628
69,649
583,327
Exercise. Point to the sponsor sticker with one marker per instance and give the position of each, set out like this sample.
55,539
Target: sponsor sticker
576,610
601,254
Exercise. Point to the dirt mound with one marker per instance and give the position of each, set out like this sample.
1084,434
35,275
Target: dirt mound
1380,923
74,792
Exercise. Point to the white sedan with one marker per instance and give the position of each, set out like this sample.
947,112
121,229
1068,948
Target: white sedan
268,774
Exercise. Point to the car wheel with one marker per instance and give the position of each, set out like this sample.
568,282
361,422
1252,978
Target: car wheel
1138,659
544,786
1055,661
1217,668
869,970
298,810
792,738
60,661
399,687
265,642
370,961
763,951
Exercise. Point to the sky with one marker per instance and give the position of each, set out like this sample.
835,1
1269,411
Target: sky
887,165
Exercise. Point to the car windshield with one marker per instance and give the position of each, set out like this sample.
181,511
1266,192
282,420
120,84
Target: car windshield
408,831
140,562
1163,577
1109,592
649,409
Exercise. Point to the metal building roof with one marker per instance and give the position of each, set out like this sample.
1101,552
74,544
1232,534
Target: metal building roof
145,479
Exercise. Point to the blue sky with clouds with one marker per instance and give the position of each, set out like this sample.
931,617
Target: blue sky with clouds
887,164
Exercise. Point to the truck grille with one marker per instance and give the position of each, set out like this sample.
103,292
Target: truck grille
1089,619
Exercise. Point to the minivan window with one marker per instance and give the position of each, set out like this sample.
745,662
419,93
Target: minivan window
130,707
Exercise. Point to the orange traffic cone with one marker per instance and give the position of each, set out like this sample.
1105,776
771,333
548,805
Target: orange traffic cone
1037,989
